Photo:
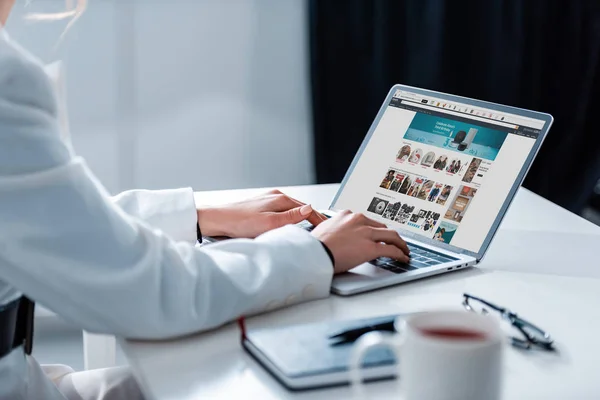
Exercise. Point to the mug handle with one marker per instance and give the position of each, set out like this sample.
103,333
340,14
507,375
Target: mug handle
365,343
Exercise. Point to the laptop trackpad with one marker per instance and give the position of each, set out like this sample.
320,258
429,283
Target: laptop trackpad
363,272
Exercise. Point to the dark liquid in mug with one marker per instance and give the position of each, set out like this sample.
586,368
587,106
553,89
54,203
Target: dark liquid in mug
453,333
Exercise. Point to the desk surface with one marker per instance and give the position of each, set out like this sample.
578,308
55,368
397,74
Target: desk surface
541,264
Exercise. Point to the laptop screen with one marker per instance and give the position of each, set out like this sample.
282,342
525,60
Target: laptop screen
440,169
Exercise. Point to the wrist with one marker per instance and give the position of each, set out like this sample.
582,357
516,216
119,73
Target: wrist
207,222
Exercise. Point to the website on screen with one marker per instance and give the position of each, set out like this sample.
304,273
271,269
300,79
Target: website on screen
439,169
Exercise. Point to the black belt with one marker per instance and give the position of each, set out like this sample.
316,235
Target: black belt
16,326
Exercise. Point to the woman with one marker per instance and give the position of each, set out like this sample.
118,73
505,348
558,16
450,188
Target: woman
129,265
451,167
457,167
405,185
438,163
387,181
440,235
434,194
443,163
403,153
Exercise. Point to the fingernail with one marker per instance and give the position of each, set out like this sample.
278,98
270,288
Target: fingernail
306,210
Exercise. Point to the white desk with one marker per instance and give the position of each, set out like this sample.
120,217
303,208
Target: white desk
542,264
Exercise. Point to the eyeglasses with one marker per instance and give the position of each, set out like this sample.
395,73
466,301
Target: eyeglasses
531,335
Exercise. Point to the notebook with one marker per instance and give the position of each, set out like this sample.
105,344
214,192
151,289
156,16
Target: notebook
302,357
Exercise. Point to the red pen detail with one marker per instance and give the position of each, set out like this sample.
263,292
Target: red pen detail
242,325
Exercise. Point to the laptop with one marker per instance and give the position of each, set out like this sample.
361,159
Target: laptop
442,171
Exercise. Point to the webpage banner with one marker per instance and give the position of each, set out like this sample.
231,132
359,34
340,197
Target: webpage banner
461,137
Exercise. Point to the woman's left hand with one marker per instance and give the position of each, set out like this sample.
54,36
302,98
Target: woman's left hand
253,217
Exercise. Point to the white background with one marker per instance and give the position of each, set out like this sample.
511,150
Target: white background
205,93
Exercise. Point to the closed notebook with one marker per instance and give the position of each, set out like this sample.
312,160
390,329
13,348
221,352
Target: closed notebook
303,357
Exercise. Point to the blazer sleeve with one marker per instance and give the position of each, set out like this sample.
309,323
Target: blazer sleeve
68,246
172,211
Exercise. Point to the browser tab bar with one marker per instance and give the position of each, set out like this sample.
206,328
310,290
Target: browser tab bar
488,114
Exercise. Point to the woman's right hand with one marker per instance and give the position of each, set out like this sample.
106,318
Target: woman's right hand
354,239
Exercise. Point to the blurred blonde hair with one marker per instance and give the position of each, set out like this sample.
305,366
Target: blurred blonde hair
74,9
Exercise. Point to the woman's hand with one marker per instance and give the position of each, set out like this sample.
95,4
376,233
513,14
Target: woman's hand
253,217
354,239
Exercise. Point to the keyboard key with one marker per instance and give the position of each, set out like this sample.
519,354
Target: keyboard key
421,252
420,258
390,264
393,269
417,264
404,266
409,267
397,264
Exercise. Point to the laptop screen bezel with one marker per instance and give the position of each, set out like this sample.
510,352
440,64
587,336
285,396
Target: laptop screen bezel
547,118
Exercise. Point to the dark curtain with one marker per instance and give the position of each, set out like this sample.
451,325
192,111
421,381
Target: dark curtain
537,54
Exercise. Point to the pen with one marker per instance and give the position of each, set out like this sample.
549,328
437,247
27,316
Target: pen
351,335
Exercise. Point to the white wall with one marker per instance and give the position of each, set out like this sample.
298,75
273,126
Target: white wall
204,93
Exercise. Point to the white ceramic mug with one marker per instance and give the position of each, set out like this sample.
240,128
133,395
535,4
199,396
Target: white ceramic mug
442,355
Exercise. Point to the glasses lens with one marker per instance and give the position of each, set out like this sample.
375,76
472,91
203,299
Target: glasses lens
504,323
478,307
536,334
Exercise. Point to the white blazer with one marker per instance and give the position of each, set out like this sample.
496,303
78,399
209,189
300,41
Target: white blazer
127,265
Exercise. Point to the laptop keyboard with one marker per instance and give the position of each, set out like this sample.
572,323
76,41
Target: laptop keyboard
419,257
